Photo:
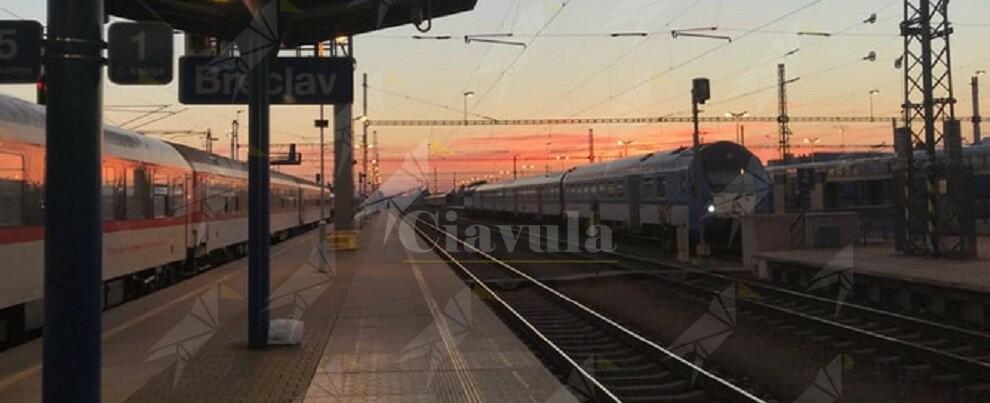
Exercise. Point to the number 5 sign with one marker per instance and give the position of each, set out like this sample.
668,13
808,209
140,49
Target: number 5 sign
20,51
140,53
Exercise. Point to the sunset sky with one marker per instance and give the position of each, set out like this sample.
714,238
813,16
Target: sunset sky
574,68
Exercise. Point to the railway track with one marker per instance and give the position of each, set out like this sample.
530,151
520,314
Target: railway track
915,350
599,359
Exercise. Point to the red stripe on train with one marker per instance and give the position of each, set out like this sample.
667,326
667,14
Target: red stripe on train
37,233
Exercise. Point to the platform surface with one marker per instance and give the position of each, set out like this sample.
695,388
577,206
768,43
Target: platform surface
884,262
411,331
378,327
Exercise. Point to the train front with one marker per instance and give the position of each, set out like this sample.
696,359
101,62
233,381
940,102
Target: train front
732,184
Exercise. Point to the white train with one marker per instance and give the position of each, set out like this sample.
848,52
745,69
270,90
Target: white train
167,209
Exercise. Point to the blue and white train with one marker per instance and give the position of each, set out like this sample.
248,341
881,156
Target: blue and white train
649,194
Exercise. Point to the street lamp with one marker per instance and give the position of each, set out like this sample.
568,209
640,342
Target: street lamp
467,94
873,92
625,146
737,116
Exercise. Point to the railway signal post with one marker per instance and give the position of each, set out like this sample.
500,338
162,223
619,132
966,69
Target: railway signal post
700,94
73,221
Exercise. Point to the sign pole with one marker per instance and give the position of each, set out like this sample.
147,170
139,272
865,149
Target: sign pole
259,235
73,232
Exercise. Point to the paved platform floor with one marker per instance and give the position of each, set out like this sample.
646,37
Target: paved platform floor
410,331
884,262
149,339
398,331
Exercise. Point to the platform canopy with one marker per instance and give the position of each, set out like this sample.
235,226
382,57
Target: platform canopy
302,21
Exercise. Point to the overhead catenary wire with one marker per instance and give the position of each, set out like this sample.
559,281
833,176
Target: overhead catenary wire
519,56
702,55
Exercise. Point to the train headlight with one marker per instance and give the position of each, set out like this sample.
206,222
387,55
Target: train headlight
711,209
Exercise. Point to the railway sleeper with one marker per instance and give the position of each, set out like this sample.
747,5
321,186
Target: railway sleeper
686,397
660,390
639,379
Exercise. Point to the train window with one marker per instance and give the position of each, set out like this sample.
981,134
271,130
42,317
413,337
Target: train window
178,196
138,192
661,187
11,190
109,193
159,196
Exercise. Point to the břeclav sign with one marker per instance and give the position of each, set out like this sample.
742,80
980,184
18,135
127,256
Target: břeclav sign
294,81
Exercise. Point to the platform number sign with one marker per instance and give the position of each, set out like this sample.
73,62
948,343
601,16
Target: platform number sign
140,53
20,51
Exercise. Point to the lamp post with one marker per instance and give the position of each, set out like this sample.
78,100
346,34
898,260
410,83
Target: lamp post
737,116
467,94
977,119
625,147
873,93
547,159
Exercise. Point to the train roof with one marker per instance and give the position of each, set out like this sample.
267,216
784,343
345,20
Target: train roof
979,149
203,161
660,161
535,180
26,121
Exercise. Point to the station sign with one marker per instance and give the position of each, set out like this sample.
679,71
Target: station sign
140,53
294,81
20,51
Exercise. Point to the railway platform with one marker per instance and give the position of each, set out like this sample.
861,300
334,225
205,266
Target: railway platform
379,326
957,290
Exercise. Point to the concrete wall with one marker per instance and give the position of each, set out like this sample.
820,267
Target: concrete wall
773,232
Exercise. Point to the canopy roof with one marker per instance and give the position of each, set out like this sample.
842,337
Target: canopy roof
302,21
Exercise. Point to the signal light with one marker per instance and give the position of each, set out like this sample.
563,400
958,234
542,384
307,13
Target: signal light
42,91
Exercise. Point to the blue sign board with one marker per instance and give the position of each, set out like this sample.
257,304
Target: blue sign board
140,53
20,51
206,80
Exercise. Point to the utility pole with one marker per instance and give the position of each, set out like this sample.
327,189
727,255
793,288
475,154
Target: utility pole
935,219
742,135
234,143
515,171
73,234
209,141
436,179
784,130
591,146
378,162
977,119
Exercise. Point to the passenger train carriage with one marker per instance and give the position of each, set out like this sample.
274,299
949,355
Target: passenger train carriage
167,208
649,194
864,184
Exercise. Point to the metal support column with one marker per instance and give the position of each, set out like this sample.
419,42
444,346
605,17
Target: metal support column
73,221
259,234
343,161
364,137
977,119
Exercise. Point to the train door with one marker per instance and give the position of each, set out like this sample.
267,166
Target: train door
633,193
